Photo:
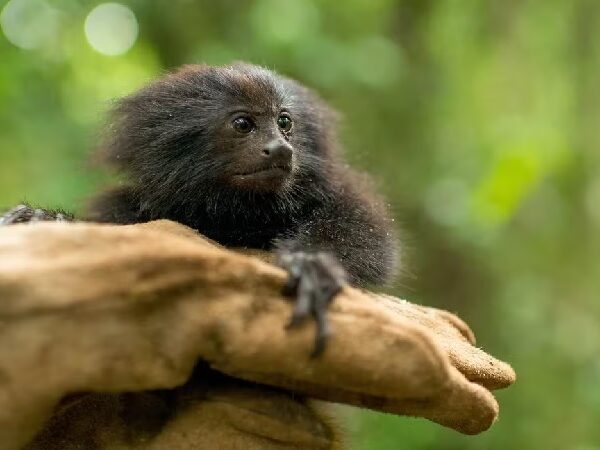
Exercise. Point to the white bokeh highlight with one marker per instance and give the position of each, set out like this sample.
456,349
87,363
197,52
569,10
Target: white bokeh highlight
29,24
111,29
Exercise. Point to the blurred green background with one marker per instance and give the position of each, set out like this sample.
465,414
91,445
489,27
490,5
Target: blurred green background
479,119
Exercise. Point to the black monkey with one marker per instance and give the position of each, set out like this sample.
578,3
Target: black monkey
248,158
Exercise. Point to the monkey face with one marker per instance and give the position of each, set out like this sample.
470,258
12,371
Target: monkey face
257,149
268,134
238,128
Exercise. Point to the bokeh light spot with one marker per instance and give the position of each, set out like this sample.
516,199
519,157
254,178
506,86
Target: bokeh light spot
111,29
29,24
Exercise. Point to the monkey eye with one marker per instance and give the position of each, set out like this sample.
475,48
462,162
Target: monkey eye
284,122
243,125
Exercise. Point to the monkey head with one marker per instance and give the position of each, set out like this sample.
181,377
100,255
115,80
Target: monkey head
231,129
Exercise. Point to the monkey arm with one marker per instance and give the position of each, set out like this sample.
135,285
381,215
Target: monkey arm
359,235
343,241
25,213
118,206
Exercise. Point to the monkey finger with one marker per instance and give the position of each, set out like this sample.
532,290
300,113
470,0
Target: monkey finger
304,298
291,285
293,265
320,307
14,215
38,215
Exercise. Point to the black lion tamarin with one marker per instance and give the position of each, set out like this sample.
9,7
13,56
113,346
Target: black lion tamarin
250,159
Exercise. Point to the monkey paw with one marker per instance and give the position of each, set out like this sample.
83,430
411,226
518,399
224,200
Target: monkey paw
314,280
25,214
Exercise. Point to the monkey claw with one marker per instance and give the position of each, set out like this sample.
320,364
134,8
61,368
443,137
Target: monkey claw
149,336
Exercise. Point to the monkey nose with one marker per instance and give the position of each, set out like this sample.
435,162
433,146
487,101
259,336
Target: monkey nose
278,152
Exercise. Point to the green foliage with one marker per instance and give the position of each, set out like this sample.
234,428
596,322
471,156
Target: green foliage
480,120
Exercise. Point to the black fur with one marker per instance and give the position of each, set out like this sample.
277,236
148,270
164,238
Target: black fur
183,157
25,213
172,143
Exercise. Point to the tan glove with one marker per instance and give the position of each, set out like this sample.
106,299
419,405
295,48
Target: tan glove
106,308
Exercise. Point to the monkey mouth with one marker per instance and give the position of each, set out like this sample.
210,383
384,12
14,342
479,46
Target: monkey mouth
263,178
265,172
